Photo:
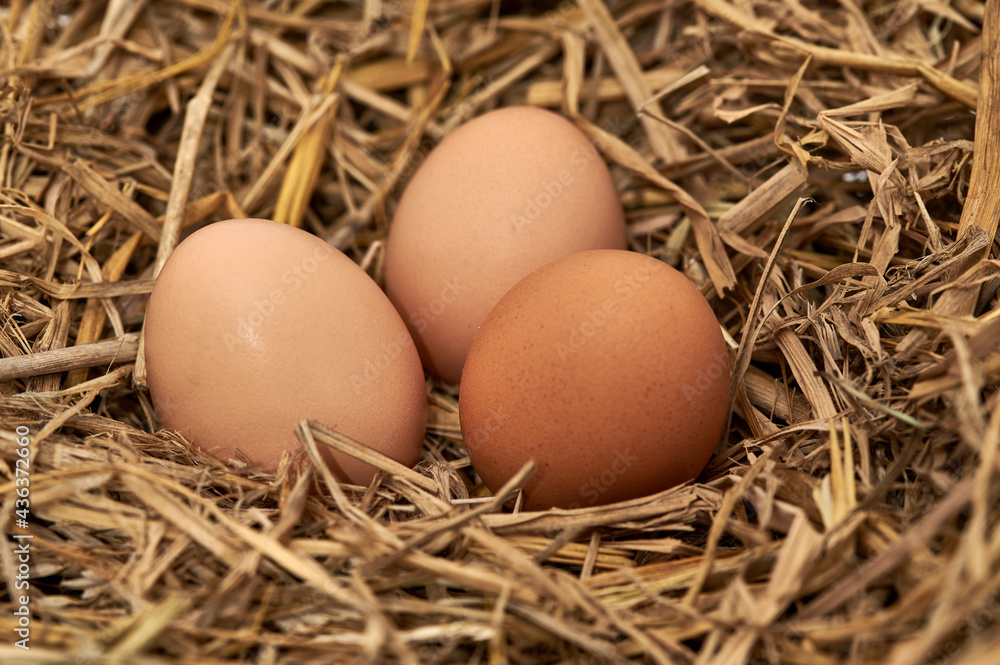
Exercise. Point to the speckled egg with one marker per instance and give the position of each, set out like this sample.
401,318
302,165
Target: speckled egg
608,369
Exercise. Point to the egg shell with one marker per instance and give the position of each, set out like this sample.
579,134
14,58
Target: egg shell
608,369
502,195
253,325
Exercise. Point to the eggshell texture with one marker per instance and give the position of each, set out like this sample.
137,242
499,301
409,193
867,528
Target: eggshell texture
253,325
502,195
608,369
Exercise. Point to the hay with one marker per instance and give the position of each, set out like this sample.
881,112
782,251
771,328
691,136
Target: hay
816,168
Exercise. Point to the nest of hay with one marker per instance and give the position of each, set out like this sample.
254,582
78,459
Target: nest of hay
823,170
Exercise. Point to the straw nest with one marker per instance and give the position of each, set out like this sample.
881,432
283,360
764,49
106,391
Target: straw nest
824,171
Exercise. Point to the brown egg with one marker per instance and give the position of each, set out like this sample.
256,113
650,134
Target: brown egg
253,325
502,195
608,369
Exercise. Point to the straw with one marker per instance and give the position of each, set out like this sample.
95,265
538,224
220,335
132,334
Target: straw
823,172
